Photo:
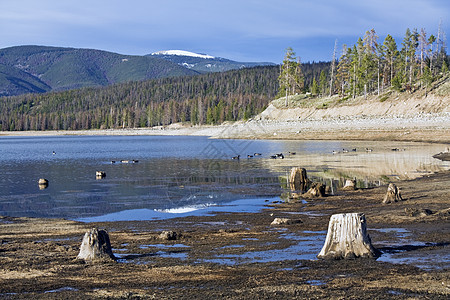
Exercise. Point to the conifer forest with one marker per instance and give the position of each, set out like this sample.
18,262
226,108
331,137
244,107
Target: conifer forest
370,66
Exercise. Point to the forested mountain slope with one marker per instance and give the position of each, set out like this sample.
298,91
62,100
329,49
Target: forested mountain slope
37,69
210,98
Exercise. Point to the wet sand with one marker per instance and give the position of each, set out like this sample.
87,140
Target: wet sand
240,255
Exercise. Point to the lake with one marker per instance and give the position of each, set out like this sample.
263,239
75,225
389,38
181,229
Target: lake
178,175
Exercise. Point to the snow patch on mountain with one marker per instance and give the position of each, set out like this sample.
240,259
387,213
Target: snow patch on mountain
182,53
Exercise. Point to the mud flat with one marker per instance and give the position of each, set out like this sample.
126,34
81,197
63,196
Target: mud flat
240,255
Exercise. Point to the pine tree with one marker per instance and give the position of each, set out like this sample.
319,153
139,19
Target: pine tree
391,53
343,70
287,73
314,87
322,83
444,68
431,55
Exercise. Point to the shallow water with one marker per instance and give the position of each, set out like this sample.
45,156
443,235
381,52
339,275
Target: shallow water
402,249
179,176
306,247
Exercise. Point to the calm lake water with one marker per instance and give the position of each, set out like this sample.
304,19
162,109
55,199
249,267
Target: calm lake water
175,176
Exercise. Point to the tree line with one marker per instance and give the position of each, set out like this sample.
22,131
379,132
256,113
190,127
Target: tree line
211,98
371,66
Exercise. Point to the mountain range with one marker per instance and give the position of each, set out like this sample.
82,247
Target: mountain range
205,63
39,69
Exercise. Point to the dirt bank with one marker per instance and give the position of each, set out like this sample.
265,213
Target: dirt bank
240,255
390,116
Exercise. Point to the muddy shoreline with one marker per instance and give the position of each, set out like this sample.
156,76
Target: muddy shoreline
240,255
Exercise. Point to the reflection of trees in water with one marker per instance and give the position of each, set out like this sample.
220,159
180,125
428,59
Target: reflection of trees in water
191,182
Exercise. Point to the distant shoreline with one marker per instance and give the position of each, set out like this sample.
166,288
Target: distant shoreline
423,128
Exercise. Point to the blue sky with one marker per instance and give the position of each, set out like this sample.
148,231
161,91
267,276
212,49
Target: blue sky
245,30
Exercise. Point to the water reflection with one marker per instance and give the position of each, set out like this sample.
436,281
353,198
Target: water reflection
379,166
175,172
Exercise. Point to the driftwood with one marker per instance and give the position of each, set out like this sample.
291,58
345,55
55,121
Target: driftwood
418,212
350,185
284,221
393,194
96,246
347,238
442,156
298,179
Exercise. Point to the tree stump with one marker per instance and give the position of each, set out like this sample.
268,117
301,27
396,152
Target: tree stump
393,194
347,238
169,235
350,185
43,183
96,246
100,174
317,189
298,179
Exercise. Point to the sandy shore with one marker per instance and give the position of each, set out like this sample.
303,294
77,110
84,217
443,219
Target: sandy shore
240,255
422,127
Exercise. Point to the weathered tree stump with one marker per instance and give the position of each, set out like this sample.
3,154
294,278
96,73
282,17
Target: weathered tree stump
347,238
169,235
100,174
96,246
298,179
43,183
393,194
317,189
350,185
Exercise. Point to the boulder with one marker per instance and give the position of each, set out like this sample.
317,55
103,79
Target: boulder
347,238
95,246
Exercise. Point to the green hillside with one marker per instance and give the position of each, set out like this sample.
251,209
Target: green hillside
68,68
14,81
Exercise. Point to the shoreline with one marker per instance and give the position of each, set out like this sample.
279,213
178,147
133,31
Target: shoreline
240,255
434,128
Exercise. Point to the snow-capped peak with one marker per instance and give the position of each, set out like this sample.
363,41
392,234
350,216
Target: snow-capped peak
182,53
